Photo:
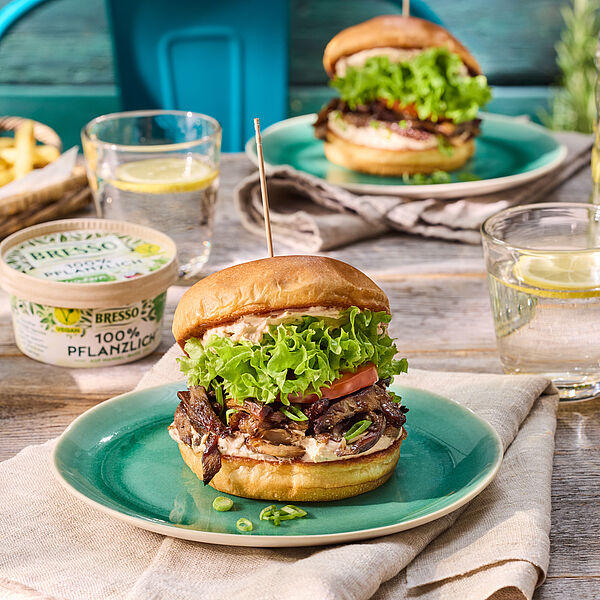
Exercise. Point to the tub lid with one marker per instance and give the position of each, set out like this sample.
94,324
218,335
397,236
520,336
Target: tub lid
87,263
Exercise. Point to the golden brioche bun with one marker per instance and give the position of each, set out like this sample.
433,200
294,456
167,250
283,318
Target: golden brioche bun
394,31
298,481
378,161
273,284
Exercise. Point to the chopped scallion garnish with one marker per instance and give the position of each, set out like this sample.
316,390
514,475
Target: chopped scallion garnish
244,524
287,513
219,396
294,413
229,412
222,504
357,429
267,513
294,510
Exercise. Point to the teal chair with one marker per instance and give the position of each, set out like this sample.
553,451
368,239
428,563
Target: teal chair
227,59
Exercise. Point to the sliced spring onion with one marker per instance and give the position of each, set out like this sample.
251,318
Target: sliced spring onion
219,396
222,504
357,429
293,413
294,510
267,513
229,412
287,513
244,524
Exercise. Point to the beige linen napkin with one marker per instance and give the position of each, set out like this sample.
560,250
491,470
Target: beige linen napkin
311,215
55,547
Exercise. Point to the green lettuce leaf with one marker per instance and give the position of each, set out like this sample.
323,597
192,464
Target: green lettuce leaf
292,358
432,81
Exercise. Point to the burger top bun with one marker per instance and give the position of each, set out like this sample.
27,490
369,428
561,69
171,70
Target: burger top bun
394,31
273,284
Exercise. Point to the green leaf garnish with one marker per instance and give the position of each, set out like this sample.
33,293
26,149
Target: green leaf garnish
433,82
444,146
422,179
396,399
468,177
292,358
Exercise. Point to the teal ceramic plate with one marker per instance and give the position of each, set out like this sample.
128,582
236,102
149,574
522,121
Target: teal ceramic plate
508,153
119,457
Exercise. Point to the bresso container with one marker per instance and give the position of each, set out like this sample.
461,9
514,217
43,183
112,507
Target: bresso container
87,292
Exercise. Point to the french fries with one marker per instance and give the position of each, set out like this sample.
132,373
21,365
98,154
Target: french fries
24,143
20,154
42,155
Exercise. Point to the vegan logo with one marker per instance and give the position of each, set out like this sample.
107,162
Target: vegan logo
148,249
67,316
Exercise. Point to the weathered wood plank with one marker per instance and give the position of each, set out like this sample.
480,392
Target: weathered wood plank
569,588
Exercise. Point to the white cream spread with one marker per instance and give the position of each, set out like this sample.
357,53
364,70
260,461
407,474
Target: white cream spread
252,327
315,451
358,59
377,136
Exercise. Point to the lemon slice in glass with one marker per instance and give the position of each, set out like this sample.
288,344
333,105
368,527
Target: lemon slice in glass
569,274
164,175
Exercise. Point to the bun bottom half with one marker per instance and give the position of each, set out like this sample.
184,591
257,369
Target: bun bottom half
377,161
298,481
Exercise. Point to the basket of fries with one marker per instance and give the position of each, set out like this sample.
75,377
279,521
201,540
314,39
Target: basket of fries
36,183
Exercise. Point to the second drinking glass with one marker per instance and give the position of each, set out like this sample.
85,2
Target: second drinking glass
161,169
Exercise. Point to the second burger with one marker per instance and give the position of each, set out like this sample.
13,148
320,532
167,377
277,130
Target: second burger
409,97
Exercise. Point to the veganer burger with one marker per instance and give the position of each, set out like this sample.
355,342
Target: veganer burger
288,361
409,97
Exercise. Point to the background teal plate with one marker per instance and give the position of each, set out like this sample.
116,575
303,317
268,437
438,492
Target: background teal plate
118,456
509,152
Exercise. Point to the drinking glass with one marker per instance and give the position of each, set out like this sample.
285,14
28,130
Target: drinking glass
161,169
543,264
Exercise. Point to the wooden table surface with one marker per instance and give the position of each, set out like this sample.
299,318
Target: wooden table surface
442,320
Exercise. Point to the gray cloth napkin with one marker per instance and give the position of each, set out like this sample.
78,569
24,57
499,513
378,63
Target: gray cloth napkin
311,215
55,547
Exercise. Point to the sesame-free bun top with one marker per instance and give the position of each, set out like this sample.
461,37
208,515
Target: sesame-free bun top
394,31
273,284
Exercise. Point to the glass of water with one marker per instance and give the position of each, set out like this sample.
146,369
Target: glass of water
161,169
543,263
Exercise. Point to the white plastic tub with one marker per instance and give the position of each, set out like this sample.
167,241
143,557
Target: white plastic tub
87,292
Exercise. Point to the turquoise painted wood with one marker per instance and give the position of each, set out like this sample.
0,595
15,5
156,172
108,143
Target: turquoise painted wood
226,59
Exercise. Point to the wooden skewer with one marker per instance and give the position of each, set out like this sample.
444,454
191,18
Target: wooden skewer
406,8
263,187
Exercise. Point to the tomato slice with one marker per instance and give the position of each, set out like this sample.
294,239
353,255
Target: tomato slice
351,382
348,383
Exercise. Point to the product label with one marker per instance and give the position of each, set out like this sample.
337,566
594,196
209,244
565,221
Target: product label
88,337
86,257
